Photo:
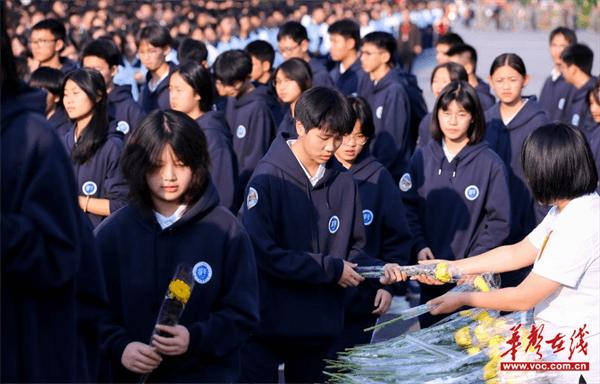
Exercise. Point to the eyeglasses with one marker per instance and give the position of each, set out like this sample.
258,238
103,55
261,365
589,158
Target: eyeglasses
358,139
150,52
42,41
288,49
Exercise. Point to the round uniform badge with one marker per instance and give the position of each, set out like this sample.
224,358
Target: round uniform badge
561,103
252,198
471,192
367,217
379,112
334,224
575,120
405,183
202,272
123,127
89,188
240,132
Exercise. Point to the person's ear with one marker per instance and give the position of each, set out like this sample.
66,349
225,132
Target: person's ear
59,45
266,66
166,50
526,80
304,46
113,70
387,58
204,63
300,129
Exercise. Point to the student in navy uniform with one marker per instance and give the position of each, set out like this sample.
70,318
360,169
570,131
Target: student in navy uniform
262,55
389,101
418,106
442,75
509,123
302,211
124,114
591,128
466,56
248,114
191,91
344,36
290,80
48,39
175,218
576,68
556,91
443,45
51,80
293,42
154,45
94,151
192,50
384,217
456,190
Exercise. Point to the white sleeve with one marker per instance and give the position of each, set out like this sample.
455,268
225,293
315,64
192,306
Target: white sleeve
537,236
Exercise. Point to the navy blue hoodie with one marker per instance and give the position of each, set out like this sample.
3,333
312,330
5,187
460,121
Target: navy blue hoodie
60,121
526,213
139,260
253,129
391,115
277,108
101,174
425,131
591,130
576,108
320,75
418,106
223,164
457,209
486,99
288,124
67,65
554,96
159,99
42,246
347,82
123,111
301,236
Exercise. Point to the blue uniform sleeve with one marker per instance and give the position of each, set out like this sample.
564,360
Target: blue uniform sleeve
224,174
229,325
424,131
115,185
410,183
397,239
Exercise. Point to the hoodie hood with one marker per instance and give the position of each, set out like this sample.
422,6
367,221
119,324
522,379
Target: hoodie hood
462,159
531,110
392,77
364,167
581,93
26,100
119,93
248,98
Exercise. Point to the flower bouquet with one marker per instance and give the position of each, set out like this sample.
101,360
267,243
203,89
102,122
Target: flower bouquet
441,271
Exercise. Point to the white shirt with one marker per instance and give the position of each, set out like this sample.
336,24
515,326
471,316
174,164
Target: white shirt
152,85
507,121
165,221
449,155
320,171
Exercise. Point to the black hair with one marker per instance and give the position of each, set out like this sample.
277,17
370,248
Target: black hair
509,59
382,40
450,39
327,109
579,55
456,71
142,154
297,70
347,28
50,79
197,77
364,115
594,92
54,26
294,30
9,78
103,48
558,163
191,50
156,35
568,34
94,135
464,48
262,50
466,96
233,66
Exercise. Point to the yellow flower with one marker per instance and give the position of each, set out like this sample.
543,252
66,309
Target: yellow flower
466,312
179,291
490,370
442,273
480,284
482,316
493,380
482,334
463,337
473,351
496,341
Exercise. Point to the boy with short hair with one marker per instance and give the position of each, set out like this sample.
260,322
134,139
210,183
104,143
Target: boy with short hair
192,50
303,214
576,68
123,112
247,112
556,91
292,39
444,44
48,39
154,46
344,36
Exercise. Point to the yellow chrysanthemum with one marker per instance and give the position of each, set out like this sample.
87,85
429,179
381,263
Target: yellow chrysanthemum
179,290
442,273
466,312
482,333
493,380
480,284
496,341
463,337
473,351
490,370
500,325
482,316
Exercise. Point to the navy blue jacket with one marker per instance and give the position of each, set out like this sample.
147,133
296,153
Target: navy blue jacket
526,212
457,209
320,75
486,99
223,164
301,236
101,170
347,82
576,108
123,112
554,96
418,106
60,121
253,129
391,115
425,131
288,124
591,130
67,65
139,260
386,227
41,247
277,108
159,99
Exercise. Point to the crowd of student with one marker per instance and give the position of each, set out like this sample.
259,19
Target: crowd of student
327,162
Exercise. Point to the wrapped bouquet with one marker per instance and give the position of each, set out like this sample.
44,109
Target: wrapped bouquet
441,271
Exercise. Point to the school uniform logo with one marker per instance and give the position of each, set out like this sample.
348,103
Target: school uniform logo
405,182
471,192
240,132
561,103
252,198
334,224
202,272
367,217
89,188
123,127
379,112
575,119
